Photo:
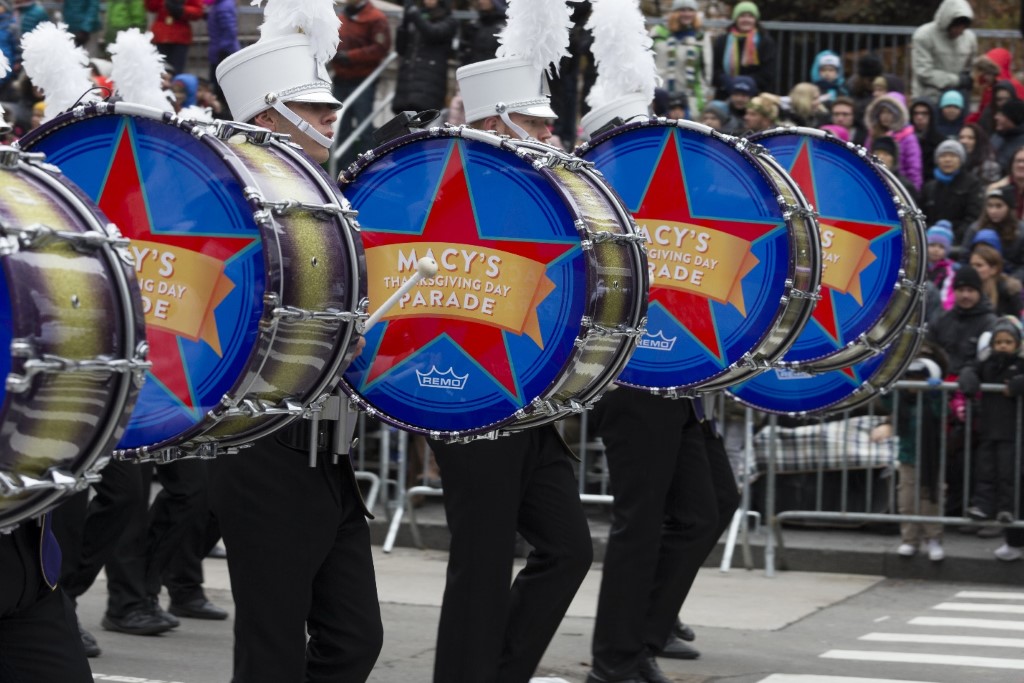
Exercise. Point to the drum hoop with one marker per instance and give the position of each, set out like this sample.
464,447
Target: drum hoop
542,158
802,301
869,342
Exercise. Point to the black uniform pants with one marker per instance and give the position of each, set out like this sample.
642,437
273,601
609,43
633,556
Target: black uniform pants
39,638
489,632
673,497
299,559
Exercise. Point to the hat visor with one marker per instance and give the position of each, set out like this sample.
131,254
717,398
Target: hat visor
541,110
317,97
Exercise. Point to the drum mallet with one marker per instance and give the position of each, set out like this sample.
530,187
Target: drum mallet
425,267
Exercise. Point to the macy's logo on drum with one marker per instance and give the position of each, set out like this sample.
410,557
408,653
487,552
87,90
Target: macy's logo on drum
442,380
656,342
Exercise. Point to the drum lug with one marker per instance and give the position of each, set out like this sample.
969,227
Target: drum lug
8,245
9,157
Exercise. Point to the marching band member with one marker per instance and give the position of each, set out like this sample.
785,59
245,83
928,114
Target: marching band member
297,539
494,629
674,491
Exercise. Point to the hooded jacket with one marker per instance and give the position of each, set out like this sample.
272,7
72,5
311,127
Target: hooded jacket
937,60
1002,58
830,90
901,131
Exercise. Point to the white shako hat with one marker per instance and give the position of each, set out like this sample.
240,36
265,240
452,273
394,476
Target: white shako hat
626,73
496,86
287,63
535,38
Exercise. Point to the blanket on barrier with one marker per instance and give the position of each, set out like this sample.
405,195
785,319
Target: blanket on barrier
842,444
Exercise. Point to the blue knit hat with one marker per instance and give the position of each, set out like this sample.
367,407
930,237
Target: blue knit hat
951,98
941,233
990,237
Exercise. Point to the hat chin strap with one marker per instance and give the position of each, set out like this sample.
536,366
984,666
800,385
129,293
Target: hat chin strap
303,125
515,127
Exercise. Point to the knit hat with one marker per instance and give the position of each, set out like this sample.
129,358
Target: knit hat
941,233
744,84
990,237
838,131
951,98
869,66
684,4
719,109
886,143
1006,194
967,276
745,7
829,60
1013,110
951,147
1006,324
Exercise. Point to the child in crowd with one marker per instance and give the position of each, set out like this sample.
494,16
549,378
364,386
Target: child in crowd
941,268
1000,216
951,114
887,116
827,74
918,489
994,471
888,152
952,193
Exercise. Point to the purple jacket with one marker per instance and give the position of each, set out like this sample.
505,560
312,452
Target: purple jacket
222,26
901,131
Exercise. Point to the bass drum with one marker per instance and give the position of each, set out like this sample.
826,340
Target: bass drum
539,296
873,248
732,249
251,277
73,336
788,392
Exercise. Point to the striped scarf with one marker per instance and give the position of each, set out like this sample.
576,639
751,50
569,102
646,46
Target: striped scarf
733,59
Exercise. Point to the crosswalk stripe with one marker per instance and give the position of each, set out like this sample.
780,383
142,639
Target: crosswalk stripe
943,640
815,678
979,607
997,624
989,595
925,658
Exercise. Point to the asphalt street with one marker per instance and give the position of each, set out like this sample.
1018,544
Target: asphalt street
796,627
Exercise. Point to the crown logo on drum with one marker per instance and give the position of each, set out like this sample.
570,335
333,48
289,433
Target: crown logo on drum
442,380
656,342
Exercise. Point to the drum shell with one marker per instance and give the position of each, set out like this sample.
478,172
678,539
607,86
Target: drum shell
73,300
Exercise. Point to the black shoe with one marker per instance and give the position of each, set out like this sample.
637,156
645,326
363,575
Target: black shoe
681,630
160,613
677,648
200,608
89,644
650,672
139,622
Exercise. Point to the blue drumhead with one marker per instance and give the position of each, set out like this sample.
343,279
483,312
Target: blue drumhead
861,239
718,249
468,348
198,256
785,391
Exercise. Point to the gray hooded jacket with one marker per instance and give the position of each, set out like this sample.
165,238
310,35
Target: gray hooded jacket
937,60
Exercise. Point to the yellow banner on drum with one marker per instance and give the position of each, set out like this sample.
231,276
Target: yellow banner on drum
181,289
844,256
696,259
473,283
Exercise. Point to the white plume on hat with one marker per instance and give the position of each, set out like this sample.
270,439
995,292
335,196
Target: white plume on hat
57,67
5,68
622,52
537,30
318,20
137,69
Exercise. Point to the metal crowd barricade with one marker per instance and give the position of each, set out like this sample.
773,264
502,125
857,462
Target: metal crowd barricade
775,557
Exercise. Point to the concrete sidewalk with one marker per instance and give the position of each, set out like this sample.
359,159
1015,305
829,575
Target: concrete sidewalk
867,551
